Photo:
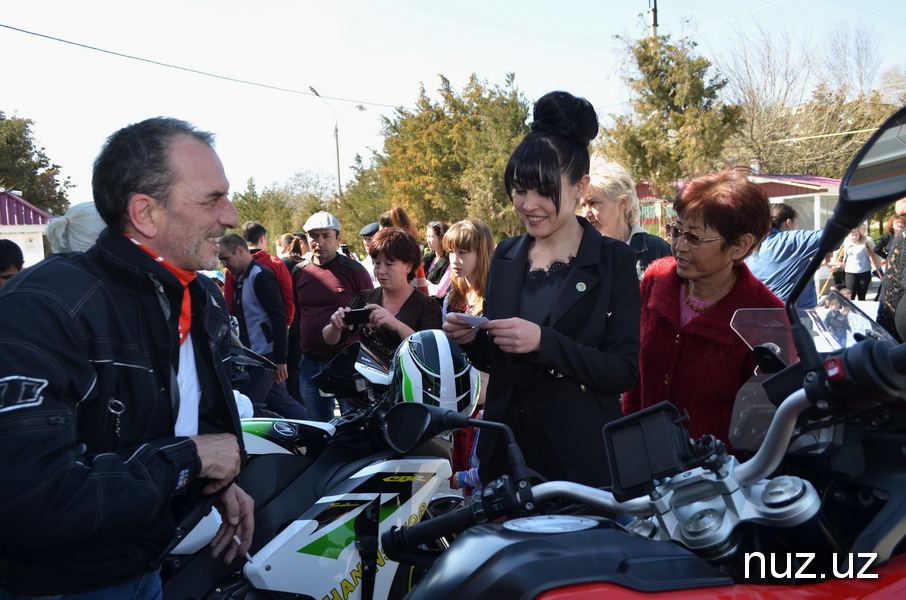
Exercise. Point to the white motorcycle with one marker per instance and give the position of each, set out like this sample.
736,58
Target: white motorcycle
324,493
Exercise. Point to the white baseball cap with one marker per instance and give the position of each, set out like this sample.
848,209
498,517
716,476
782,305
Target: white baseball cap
321,220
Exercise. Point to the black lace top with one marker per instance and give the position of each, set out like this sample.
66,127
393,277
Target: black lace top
541,289
893,285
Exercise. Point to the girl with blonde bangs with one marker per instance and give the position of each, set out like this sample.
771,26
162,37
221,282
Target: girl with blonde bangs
469,244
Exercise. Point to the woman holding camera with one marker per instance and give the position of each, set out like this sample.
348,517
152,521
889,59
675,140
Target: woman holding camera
396,310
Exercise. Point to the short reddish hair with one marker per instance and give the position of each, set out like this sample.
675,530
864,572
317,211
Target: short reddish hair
728,203
395,244
889,226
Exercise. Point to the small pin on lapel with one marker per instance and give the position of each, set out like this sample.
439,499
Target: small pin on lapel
580,286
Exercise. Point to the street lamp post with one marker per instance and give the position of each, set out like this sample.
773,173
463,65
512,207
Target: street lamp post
336,137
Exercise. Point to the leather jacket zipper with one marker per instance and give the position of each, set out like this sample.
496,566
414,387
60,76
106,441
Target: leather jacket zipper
36,423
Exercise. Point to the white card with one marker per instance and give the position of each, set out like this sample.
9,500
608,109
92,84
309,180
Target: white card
470,319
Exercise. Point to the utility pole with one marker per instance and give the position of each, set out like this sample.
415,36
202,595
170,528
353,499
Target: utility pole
336,137
652,18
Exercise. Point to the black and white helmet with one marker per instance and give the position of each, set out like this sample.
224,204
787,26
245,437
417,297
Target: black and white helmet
428,368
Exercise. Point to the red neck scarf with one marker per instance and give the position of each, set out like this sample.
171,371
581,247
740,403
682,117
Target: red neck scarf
185,278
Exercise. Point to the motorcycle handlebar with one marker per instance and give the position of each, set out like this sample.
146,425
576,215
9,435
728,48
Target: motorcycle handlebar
399,540
501,497
776,441
600,499
871,365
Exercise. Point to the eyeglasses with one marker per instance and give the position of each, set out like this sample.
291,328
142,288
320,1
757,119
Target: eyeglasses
434,224
693,240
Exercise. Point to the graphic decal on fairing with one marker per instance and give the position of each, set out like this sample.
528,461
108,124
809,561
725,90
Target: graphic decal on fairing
353,580
285,429
402,486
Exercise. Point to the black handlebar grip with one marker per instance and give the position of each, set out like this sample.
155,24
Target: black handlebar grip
403,539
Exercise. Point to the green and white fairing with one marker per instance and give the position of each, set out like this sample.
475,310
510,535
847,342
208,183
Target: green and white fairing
284,436
317,554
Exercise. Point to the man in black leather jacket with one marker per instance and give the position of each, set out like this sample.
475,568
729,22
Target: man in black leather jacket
116,413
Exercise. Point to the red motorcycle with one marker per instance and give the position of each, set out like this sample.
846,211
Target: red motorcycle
817,510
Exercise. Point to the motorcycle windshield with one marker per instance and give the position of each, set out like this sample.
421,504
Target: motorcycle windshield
835,323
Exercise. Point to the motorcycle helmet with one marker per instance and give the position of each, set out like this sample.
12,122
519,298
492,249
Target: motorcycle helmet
428,368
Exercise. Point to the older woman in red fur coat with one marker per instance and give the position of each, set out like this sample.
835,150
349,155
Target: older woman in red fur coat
689,355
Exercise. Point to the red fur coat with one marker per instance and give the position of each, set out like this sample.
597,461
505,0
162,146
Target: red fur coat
700,367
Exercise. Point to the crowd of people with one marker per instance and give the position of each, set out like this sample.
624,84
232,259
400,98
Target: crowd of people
586,316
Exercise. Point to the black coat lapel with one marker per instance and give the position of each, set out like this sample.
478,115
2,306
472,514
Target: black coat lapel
582,278
509,276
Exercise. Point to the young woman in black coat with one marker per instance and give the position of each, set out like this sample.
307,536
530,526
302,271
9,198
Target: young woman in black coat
563,302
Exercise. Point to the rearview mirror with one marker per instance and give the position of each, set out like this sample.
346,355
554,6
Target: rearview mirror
410,424
875,177
879,170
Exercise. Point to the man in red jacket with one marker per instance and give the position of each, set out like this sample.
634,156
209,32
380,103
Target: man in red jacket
256,236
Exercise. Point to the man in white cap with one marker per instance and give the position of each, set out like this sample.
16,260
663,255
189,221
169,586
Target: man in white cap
327,283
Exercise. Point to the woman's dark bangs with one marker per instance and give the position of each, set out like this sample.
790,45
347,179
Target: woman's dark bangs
534,165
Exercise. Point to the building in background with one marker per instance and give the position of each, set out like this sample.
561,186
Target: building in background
813,197
24,224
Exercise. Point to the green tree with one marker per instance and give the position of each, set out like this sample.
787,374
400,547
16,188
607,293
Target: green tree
444,159
497,124
364,201
25,167
283,209
421,165
677,125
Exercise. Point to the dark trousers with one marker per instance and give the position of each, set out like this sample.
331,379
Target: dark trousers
858,284
280,401
258,386
146,587
320,408
264,393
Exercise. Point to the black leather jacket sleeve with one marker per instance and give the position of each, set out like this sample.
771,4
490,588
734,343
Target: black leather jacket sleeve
56,489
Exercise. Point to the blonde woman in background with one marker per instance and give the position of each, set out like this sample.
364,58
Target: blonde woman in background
77,230
612,207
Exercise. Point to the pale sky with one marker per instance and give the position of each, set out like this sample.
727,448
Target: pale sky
370,52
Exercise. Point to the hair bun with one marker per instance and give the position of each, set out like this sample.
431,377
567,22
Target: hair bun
566,115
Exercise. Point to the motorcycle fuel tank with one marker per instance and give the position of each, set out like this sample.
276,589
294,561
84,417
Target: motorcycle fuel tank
523,558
